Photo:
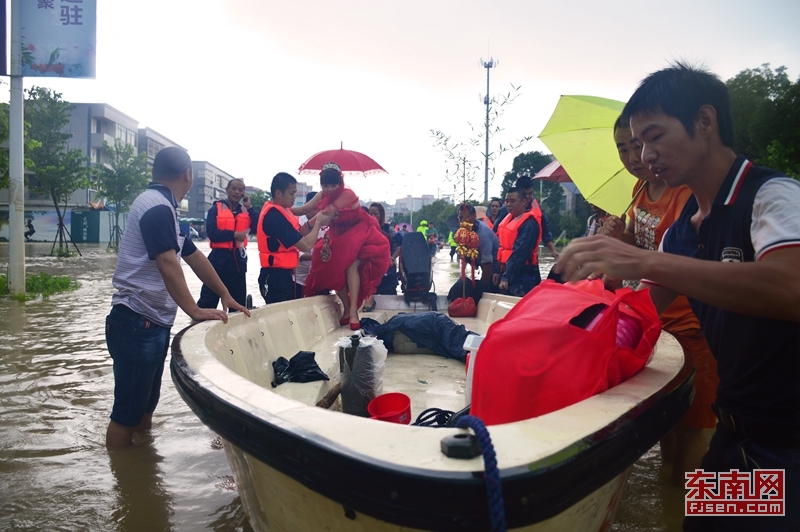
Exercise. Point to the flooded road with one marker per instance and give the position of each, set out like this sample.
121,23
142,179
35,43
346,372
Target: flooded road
56,392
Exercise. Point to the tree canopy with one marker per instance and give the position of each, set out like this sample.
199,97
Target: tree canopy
436,214
548,194
524,164
4,137
766,117
121,180
259,198
58,172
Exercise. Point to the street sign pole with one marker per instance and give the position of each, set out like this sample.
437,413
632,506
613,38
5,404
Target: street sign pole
16,154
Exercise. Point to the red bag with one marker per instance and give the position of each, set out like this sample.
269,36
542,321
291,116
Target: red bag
534,361
463,307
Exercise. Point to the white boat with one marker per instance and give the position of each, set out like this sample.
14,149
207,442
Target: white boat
299,467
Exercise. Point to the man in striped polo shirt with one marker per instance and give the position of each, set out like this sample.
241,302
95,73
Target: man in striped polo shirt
150,288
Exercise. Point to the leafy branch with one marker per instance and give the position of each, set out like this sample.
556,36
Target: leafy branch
462,165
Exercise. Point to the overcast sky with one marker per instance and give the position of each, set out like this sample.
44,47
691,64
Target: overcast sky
258,86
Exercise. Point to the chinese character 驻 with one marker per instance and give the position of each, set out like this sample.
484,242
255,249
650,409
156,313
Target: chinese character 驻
71,16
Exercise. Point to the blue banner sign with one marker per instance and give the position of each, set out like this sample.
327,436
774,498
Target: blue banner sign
59,38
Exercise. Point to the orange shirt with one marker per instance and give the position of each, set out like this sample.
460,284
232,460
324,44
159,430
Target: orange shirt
651,220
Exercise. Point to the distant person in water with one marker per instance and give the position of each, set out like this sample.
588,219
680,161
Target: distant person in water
491,213
150,288
29,233
519,233
229,222
526,184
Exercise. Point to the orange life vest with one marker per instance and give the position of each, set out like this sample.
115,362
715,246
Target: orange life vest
285,258
227,222
507,234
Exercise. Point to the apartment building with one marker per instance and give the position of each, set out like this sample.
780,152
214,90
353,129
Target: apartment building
91,124
209,186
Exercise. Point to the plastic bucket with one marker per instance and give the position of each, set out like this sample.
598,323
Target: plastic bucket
393,407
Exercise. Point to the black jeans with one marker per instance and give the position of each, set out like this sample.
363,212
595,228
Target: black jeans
276,285
235,283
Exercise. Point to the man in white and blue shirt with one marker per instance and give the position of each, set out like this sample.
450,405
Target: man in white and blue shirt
150,287
735,253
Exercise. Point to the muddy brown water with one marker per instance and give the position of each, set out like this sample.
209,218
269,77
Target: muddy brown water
56,392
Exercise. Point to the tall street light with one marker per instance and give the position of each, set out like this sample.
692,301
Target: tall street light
487,100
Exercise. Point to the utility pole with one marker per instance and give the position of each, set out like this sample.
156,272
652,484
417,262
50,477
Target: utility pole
16,155
487,100
464,176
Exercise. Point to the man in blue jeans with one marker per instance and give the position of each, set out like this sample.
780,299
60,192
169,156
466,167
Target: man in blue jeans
734,252
150,288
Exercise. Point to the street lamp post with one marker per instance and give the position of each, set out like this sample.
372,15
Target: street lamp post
487,100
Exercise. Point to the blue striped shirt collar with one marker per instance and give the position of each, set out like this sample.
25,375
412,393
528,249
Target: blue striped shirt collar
165,191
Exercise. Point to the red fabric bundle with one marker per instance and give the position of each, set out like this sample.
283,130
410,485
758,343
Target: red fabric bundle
534,361
463,307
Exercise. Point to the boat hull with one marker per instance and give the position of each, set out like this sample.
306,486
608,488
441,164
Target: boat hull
298,467
276,502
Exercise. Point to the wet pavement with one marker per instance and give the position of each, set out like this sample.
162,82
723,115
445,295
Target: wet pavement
56,391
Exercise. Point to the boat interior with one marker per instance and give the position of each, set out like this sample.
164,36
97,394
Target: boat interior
430,380
233,363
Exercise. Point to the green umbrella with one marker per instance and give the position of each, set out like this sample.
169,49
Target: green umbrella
581,136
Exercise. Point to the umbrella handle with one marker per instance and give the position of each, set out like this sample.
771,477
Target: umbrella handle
642,187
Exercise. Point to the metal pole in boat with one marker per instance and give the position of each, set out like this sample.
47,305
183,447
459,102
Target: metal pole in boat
16,185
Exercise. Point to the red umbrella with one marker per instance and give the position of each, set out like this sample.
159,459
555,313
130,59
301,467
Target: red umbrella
553,172
351,162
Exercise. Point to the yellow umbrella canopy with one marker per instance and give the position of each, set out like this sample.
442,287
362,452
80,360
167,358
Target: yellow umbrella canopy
581,136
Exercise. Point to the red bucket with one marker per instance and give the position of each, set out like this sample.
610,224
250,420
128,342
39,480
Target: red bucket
394,407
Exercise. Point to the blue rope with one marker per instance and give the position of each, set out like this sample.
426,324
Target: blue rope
494,490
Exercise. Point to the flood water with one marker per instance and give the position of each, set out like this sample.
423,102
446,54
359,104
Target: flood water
56,392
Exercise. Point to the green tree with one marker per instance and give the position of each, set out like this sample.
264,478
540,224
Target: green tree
121,180
436,215
259,198
58,172
766,117
524,164
4,130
